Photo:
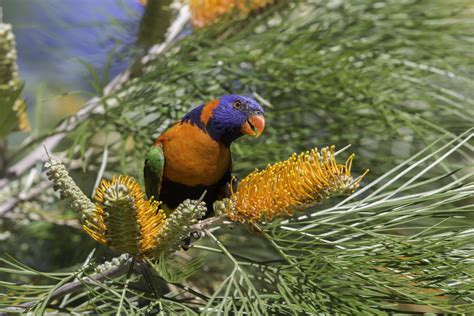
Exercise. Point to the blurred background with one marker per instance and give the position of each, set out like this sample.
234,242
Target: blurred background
63,46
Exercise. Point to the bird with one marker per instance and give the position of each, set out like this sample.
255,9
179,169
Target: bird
193,155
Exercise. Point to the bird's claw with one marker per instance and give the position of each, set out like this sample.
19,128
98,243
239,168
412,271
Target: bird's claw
187,241
195,235
186,244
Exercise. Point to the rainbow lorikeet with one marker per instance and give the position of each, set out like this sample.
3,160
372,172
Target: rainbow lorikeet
193,155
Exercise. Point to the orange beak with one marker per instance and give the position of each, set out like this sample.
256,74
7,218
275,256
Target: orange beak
254,126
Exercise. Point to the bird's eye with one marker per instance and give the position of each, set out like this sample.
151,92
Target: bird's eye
238,105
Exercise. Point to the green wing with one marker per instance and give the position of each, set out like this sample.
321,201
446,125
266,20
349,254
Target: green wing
153,171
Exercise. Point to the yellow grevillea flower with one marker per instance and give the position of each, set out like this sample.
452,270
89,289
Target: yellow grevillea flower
206,12
13,112
123,219
291,185
23,123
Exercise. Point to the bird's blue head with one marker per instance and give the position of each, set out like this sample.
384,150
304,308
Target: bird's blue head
229,118
235,116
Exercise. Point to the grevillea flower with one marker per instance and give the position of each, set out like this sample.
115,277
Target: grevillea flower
9,77
13,114
207,12
67,188
23,123
123,219
291,185
177,226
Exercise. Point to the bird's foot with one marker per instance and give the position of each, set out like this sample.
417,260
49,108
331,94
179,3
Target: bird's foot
195,235
186,244
187,241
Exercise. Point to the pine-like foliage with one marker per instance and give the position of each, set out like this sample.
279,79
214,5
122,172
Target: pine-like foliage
391,78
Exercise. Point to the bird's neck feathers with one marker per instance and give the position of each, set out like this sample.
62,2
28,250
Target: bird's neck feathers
213,123
194,117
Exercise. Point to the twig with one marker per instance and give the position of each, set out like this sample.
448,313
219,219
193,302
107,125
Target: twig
103,165
3,151
35,217
32,192
12,202
208,222
77,285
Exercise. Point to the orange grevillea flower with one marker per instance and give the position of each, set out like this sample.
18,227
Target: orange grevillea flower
123,219
291,185
206,12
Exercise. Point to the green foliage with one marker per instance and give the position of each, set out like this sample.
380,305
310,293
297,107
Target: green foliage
403,242
391,78
173,270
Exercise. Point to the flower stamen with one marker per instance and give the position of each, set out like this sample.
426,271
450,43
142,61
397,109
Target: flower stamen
123,219
292,185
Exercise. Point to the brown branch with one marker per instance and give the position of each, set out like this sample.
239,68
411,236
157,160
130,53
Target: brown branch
13,201
37,217
208,222
36,190
75,286
3,151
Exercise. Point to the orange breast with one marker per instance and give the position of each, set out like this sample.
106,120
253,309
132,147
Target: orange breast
192,157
